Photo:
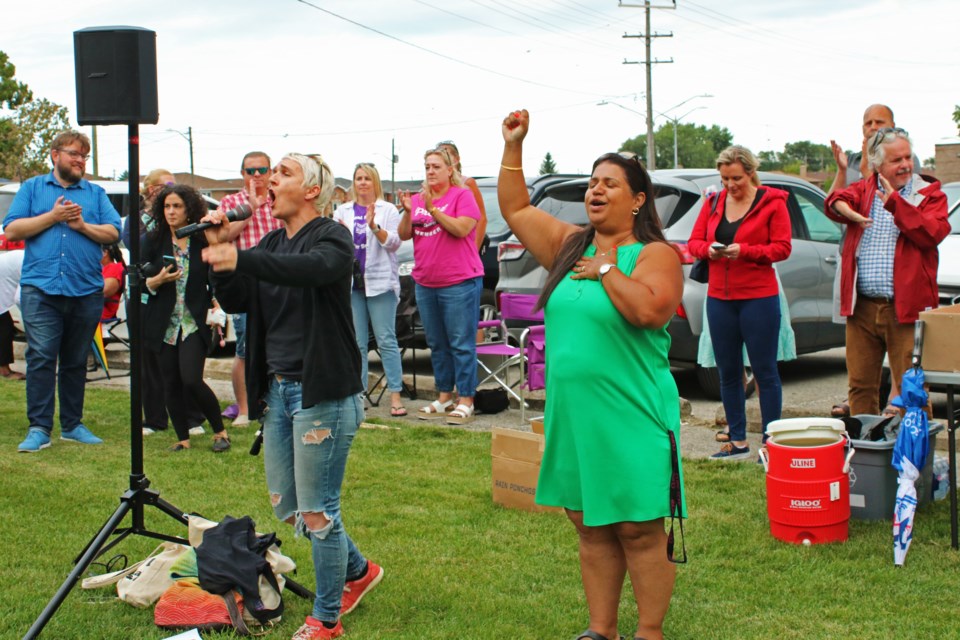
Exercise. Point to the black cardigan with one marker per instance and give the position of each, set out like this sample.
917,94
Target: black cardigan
331,358
160,305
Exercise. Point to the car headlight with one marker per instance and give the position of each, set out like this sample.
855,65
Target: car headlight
405,268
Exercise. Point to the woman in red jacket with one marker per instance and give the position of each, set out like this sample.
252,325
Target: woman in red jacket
742,231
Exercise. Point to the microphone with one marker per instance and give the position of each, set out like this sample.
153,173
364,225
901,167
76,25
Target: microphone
240,213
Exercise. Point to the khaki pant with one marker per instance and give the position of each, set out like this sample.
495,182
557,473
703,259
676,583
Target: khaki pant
872,331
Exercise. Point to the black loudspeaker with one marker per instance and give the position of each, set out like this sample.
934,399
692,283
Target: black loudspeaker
116,75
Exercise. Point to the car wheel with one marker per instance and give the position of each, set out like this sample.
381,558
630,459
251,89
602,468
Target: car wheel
709,379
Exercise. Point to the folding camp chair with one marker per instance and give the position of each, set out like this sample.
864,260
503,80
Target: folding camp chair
515,309
533,365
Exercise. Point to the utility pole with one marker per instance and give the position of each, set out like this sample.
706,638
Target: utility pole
93,150
193,180
188,136
393,163
647,36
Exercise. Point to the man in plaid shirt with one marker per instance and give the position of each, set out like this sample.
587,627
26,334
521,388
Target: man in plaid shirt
256,172
895,220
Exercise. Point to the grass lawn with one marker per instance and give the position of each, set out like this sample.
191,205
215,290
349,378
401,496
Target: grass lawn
417,501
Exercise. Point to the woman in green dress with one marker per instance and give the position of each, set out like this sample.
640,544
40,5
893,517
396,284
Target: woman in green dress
612,416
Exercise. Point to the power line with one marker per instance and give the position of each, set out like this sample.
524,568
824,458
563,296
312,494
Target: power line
442,55
538,22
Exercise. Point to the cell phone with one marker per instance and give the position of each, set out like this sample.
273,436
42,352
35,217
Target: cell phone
169,261
716,246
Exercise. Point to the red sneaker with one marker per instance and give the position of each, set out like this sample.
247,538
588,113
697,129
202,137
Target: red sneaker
354,591
313,629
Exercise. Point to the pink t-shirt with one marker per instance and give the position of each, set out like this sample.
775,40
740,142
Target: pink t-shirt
440,258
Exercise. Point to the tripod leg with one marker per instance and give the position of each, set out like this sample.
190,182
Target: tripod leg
298,589
91,552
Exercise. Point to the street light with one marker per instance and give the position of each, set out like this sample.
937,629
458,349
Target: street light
188,136
676,121
673,120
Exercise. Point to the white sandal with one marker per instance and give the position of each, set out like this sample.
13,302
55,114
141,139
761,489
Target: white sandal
434,410
461,415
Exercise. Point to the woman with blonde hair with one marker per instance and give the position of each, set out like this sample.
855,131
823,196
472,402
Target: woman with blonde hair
471,184
742,231
376,283
448,273
153,183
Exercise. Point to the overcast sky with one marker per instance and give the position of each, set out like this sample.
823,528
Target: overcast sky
344,77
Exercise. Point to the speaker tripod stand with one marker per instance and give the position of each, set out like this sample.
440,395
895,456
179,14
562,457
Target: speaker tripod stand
138,496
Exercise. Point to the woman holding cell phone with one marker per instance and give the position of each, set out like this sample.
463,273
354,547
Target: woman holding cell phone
742,231
175,318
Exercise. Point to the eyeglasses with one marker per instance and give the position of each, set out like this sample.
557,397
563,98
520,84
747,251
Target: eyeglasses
252,171
364,164
449,143
76,155
882,134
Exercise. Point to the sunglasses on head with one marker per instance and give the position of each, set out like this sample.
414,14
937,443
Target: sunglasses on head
250,171
882,134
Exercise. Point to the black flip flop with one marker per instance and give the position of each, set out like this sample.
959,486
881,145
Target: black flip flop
398,412
593,635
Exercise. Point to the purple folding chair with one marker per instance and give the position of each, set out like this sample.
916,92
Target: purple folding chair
517,310
533,343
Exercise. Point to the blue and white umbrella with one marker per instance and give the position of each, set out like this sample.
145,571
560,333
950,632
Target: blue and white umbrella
909,457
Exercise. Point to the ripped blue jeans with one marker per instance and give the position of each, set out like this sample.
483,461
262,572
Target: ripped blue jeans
305,455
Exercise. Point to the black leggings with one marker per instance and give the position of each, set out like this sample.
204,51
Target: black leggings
6,339
182,370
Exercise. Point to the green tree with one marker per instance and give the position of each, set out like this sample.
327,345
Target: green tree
697,145
956,116
815,156
12,93
26,134
548,165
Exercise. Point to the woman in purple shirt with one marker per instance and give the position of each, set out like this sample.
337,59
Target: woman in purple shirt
376,284
442,221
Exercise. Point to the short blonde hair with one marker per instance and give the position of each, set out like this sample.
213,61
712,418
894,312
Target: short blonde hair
316,173
740,154
371,171
455,179
152,179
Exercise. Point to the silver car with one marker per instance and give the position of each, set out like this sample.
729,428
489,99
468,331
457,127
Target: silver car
807,275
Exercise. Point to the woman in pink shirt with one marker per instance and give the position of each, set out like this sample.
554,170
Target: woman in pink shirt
442,221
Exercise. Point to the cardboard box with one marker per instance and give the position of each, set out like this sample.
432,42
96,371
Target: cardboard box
515,459
536,425
941,339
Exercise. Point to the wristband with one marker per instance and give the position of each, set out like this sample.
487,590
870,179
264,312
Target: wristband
503,166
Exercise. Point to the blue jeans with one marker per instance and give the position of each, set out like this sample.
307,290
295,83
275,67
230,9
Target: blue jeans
756,324
449,316
305,455
380,311
57,327
240,329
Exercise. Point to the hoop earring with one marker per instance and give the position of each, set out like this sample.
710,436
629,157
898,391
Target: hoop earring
636,211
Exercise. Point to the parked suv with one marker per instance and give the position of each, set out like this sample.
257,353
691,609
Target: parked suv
807,275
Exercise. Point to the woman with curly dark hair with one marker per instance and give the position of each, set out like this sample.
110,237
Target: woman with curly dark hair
175,319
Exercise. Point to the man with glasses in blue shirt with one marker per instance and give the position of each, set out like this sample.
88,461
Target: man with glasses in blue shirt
256,171
894,219
64,220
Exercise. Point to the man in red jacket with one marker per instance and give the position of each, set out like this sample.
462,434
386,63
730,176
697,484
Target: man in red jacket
895,220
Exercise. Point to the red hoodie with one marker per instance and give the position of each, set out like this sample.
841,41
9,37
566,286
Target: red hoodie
764,238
